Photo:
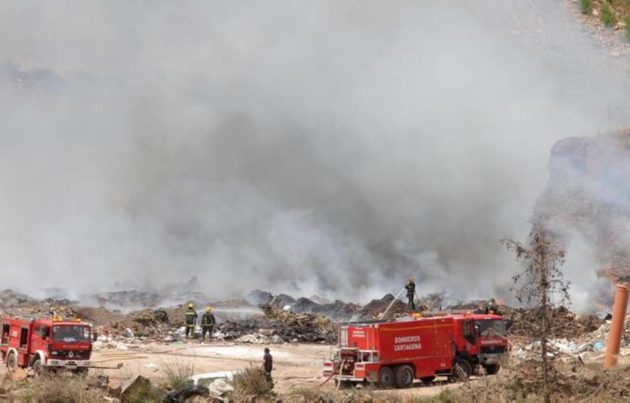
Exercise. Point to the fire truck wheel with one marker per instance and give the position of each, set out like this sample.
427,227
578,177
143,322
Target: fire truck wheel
11,362
404,376
461,370
492,369
386,377
38,368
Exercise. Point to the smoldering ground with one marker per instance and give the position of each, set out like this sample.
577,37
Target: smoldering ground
316,147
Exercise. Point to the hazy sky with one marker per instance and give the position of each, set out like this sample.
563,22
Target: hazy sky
329,147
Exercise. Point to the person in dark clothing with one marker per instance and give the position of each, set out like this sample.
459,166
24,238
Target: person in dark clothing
481,308
267,366
411,293
191,321
207,324
492,308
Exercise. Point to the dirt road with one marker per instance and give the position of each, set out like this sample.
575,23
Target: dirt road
295,365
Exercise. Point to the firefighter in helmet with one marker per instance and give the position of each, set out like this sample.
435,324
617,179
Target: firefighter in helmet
411,293
191,320
207,324
492,308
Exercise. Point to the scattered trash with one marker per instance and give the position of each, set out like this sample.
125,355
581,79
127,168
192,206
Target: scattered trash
182,395
152,366
209,377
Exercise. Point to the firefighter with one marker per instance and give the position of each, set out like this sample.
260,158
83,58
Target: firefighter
191,321
267,366
492,308
411,293
207,324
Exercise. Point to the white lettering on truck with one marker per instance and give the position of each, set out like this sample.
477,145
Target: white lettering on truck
404,343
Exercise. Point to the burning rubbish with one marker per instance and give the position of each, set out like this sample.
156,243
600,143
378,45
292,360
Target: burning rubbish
128,337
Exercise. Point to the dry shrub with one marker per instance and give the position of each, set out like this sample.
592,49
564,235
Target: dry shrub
314,395
178,372
59,389
251,381
145,395
318,395
143,392
579,384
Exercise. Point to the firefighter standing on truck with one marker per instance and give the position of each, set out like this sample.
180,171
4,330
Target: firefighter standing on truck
191,321
492,307
207,324
411,293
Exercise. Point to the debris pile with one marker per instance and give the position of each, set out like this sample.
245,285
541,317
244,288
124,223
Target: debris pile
375,308
9,298
565,324
291,326
150,317
336,311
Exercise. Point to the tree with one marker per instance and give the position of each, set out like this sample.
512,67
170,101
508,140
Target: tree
541,287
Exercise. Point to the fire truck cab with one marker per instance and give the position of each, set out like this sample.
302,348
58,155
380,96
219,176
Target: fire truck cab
46,344
480,340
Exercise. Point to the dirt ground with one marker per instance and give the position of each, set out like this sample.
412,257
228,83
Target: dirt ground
295,365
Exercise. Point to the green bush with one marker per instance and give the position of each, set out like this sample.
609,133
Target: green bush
607,15
586,7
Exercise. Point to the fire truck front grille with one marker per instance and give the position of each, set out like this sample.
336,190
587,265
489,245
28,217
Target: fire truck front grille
71,355
492,349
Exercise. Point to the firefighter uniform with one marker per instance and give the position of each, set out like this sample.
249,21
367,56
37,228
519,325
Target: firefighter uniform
268,366
411,293
191,321
207,324
492,308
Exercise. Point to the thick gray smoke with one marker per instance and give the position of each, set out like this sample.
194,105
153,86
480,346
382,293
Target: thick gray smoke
309,147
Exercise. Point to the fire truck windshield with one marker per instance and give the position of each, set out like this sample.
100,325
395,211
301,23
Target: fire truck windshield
492,327
70,333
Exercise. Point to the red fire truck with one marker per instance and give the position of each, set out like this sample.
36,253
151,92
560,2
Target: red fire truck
396,353
393,353
43,344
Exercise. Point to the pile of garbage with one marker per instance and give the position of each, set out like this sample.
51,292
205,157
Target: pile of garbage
557,348
150,317
337,310
375,308
260,338
577,345
565,324
210,387
297,327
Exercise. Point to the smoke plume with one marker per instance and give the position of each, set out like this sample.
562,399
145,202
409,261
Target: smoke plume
308,147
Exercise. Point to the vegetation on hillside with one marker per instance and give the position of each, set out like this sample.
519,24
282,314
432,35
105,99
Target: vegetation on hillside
611,13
